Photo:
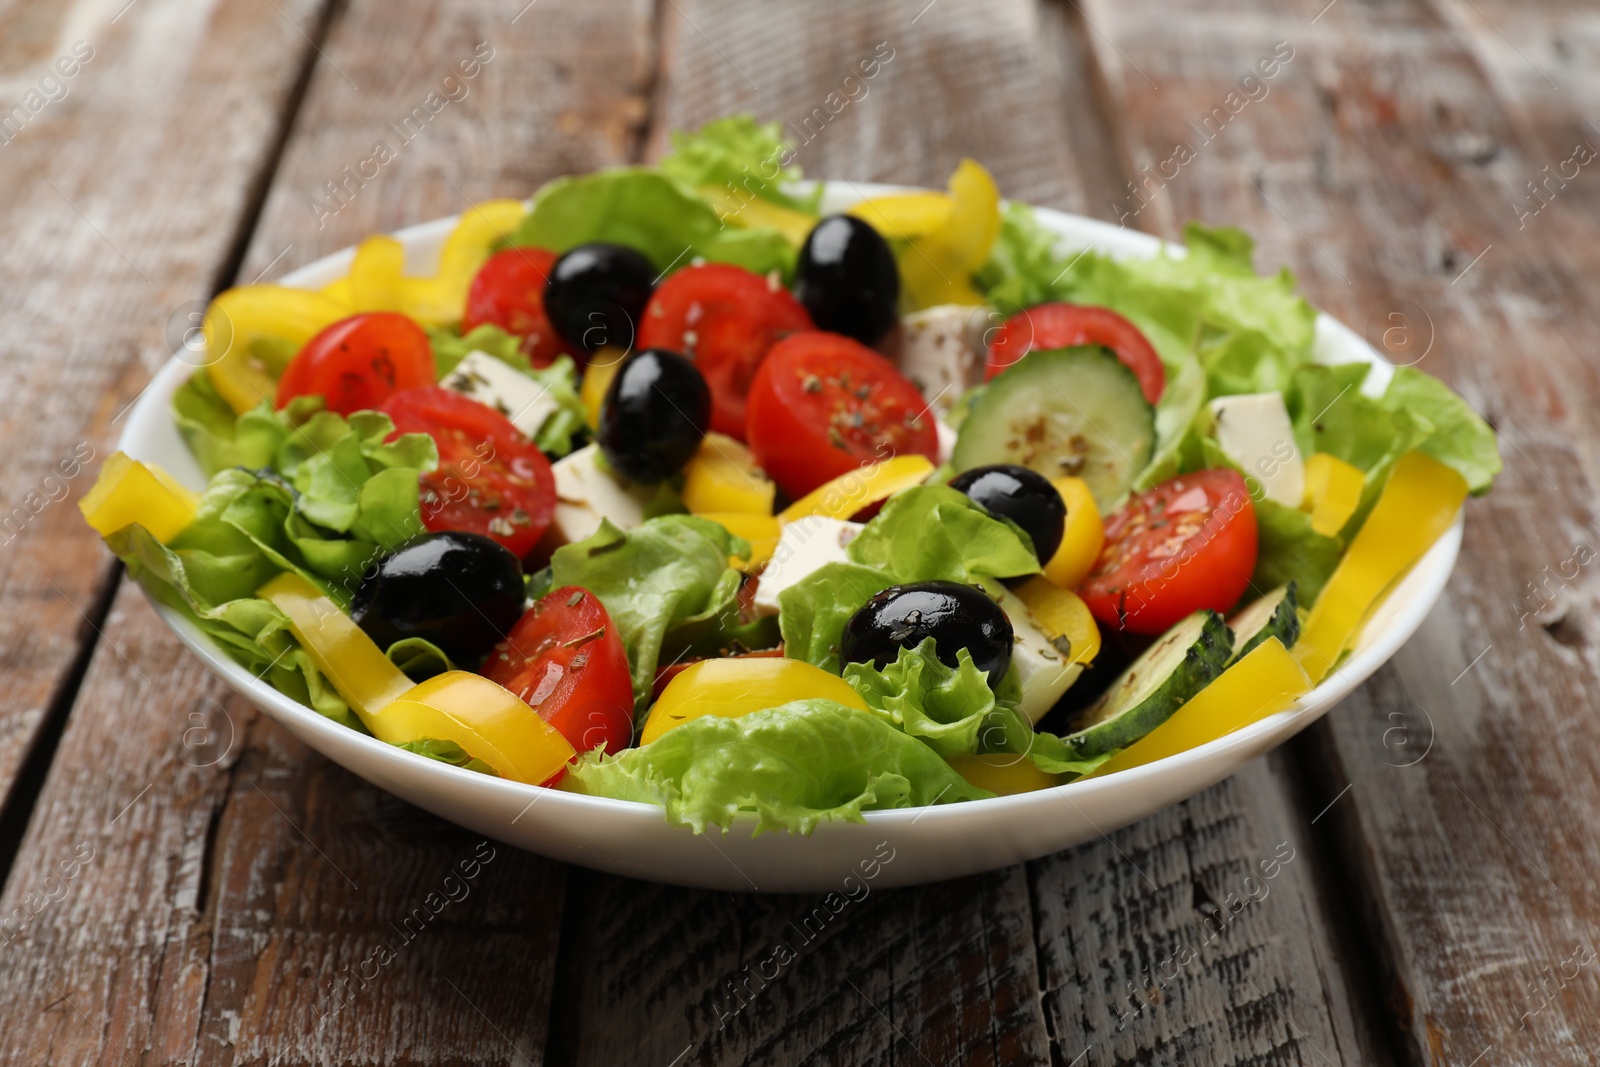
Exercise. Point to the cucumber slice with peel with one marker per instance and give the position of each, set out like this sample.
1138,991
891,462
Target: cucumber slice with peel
1074,411
1180,664
1274,615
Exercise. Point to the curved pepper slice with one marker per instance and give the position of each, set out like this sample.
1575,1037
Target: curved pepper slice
375,275
1003,773
738,686
860,488
1417,505
904,216
442,298
128,492
754,213
762,531
1265,681
723,476
485,719
1064,618
937,267
1082,538
1333,492
603,366
243,325
353,664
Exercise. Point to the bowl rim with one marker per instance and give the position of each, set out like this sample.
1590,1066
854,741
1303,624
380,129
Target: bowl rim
150,418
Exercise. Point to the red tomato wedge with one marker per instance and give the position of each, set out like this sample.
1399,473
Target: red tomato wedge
508,292
565,659
1066,325
822,405
726,319
1185,545
490,479
358,363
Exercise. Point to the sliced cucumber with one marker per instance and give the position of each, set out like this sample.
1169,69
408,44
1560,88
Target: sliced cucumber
1274,615
1067,411
1175,668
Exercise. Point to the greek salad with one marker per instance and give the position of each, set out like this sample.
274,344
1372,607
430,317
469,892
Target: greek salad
664,486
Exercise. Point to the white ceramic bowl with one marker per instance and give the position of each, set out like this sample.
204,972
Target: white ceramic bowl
926,844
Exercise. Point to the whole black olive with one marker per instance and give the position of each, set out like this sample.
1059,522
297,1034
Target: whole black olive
847,279
596,294
461,591
1022,495
956,616
654,415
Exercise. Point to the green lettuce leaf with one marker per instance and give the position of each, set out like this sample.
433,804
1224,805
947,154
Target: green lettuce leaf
1460,437
220,439
650,212
672,571
448,752
794,766
933,532
954,710
735,151
560,380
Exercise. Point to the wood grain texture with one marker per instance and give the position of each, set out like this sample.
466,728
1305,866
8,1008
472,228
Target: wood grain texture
270,907
124,187
1027,964
1386,165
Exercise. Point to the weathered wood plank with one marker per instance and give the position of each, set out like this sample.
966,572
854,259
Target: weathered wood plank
1384,167
247,910
128,147
953,973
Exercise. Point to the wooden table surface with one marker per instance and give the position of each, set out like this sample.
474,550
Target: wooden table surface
183,883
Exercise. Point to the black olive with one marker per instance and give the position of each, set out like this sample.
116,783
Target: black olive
596,294
847,279
461,591
654,416
1022,495
956,616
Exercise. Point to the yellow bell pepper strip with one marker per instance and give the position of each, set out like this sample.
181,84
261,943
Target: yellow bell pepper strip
739,686
1333,491
338,289
723,476
597,379
752,212
1081,540
1003,773
487,720
905,216
442,298
860,488
762,531
241,323
1417,505
128,491
937,267
1266,681
1064,618
375,275
353,664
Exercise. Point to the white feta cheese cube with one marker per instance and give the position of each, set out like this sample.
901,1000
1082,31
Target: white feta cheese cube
942,351
1253,430
804,546
586,494
487,380
1044,672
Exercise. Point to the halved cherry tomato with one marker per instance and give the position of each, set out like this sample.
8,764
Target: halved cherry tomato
566,660
822,405
490,479
726,319
358,363
508,291
1065,325
1185,545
